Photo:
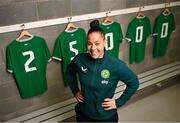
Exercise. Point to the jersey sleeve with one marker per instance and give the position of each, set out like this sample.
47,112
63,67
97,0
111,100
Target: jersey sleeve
57,48
9,65
127,76
84,40
148,27
129,33
155,27
173,25
47,52
120,37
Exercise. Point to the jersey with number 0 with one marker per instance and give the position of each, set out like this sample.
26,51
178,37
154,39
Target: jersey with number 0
113,35
68,45
138,31
27,61
164,26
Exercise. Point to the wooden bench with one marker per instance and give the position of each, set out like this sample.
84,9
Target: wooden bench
63,110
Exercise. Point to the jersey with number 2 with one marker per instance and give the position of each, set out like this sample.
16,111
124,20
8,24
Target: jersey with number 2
138,31
27,61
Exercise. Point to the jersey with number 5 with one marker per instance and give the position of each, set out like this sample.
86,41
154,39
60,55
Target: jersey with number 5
163,27
138,31
68,45
27,61
113,35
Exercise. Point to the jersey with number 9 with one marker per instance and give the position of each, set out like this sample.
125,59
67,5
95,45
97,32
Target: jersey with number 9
68,45
27,61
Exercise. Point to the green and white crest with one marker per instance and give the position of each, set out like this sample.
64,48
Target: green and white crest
105,74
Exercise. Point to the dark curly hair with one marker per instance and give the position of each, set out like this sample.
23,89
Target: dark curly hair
94,27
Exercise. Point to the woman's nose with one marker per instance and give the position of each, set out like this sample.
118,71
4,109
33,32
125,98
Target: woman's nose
93,47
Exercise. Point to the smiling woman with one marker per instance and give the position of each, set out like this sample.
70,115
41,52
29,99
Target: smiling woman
98,74
96,40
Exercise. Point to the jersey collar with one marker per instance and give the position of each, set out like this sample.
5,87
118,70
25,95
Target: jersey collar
105,24
70,31
24,40
140,17
166,14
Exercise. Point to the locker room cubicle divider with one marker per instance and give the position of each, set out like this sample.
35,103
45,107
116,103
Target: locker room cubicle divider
63,110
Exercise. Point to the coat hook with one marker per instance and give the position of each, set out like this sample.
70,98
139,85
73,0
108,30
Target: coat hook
140,8
22,26
167,4
69,19
107,13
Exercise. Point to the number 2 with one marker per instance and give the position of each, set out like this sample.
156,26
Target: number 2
28,62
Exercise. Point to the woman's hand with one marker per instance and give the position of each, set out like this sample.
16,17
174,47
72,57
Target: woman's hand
79,96
109,104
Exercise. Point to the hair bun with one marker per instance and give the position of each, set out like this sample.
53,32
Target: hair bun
94,24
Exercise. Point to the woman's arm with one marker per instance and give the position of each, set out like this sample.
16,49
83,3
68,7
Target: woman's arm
71,77
127,76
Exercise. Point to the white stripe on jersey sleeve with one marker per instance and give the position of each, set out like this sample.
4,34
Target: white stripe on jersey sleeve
10,71
50,60
128,39
56,58
155,34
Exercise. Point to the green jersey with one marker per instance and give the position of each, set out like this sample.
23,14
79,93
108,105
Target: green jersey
68,45
164,26
113,35
138,31
27,60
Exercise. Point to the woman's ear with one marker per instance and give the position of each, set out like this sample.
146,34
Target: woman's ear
103,36
105,41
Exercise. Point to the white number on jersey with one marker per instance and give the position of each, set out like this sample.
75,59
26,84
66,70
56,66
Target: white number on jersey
164,30
139,34
73,49
110,41
31,58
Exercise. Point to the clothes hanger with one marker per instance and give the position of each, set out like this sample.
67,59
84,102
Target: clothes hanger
70,26
107,19
166,11
24,33
140,13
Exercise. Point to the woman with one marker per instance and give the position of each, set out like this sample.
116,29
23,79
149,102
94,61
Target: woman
98,74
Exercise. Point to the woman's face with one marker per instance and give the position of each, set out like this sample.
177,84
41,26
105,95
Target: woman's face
96,43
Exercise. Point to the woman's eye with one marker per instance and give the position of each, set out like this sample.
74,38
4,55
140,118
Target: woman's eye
96,44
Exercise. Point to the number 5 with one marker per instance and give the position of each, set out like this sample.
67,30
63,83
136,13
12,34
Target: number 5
73,49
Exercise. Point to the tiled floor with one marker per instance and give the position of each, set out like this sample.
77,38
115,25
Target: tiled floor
163,106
